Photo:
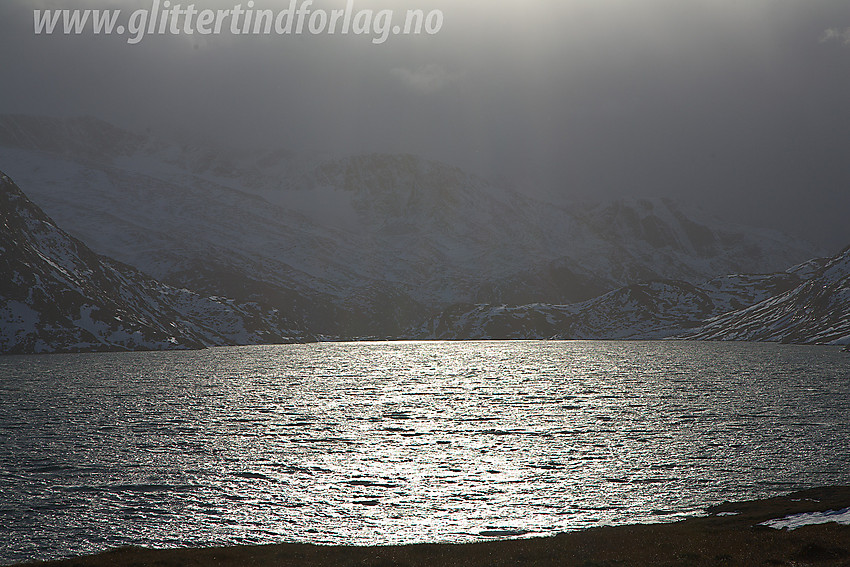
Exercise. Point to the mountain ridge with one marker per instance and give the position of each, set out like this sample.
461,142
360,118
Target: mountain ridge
816,311
362,245
808,303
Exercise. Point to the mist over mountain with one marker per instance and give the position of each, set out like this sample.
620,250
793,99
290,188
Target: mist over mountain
735,106
362,245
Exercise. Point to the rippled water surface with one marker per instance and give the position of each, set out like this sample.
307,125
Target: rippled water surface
374,443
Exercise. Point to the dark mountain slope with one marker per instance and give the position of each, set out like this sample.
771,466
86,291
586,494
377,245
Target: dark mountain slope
56,295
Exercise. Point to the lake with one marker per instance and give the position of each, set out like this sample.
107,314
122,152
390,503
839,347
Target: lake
386,443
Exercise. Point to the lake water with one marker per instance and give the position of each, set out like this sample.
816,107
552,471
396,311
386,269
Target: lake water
382,443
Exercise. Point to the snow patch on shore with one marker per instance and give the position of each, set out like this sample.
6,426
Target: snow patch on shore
798,520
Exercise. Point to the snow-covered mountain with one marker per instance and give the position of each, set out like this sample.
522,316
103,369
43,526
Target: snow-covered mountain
56,295
648,310
357,245
816,311
808,303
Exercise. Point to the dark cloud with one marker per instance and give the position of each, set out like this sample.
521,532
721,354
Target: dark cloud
740,106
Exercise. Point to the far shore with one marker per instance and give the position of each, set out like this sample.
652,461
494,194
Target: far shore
730,535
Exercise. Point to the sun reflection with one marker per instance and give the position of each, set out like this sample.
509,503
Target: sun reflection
400,443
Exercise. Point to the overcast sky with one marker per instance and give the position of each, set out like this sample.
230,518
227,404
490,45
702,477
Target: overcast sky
741,105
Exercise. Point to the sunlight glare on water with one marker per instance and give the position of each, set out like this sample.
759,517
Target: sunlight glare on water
382,443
